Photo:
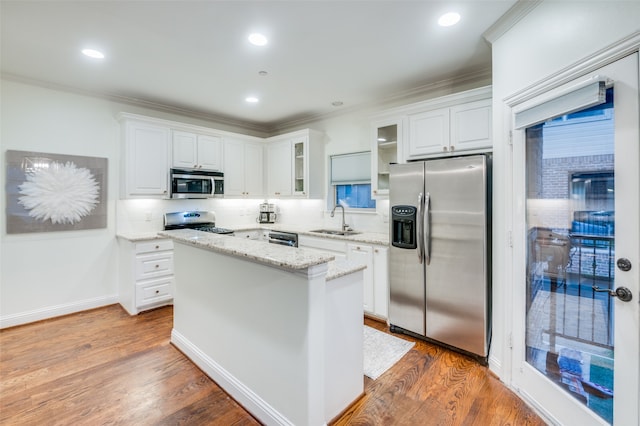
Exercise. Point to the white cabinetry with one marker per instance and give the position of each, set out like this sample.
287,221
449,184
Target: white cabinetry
376,275
195,151
471,125
428,133
279,169
364,255
295,165
387,137
243,168
335,247
146,159
381,281
146,274
464,127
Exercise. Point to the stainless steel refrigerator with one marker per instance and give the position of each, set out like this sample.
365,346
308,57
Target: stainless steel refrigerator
440,251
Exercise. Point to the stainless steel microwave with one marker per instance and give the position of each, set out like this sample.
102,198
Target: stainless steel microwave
191,183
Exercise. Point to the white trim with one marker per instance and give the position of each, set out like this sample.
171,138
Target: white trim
511,17
588,65
56,311
234,387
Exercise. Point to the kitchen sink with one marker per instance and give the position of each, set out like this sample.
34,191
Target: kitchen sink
335,232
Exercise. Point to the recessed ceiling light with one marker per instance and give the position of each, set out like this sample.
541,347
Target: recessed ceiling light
252,99
92,53
449,19
337,103
257,39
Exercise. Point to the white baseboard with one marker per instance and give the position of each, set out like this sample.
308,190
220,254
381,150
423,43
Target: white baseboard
251,401
55,311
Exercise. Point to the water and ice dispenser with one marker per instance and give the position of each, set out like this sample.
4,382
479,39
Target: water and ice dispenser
403,227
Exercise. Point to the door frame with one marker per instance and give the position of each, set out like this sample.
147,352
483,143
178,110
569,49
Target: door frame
516,229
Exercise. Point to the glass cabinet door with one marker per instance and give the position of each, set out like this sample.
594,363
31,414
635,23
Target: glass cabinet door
385,152
299,186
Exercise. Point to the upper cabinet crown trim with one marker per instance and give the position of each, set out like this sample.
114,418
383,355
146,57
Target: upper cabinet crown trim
439,102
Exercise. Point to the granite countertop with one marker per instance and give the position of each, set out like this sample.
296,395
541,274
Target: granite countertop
260,251
340,268
376,238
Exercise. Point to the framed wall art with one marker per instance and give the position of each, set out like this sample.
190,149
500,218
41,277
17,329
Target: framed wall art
55,192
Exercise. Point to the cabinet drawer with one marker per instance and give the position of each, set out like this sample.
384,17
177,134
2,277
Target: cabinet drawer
153,291
154,265
153,246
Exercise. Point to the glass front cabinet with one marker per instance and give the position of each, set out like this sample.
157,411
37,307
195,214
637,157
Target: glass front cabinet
387,137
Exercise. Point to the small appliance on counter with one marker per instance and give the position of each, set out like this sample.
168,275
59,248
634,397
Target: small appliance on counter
198,220
267,213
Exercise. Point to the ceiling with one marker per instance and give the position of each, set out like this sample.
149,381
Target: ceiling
194,56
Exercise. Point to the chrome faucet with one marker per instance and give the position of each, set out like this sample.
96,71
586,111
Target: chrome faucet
345,227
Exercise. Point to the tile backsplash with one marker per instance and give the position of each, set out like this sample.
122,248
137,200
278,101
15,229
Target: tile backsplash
147,215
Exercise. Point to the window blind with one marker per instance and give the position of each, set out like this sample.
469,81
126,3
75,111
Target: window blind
583,96
351,168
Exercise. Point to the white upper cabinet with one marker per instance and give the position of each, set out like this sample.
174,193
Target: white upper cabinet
386,140
462,127
243,168
295,165
457,123
428,133
471,125
279,169
145,172
194,151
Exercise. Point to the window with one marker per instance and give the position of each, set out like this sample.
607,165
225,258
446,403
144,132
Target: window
351,180
355,196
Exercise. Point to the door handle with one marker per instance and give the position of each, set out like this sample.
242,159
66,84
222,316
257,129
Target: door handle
420,228
427,228
622,293
624,264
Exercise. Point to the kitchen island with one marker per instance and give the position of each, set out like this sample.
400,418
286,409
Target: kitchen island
279,328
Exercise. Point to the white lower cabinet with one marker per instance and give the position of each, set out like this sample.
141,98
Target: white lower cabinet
376,276
146,275
335,247
364,254
381,281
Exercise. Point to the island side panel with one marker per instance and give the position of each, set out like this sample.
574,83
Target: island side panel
344,368
261,328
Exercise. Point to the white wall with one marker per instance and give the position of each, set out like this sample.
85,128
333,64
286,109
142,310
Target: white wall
552,37
48,274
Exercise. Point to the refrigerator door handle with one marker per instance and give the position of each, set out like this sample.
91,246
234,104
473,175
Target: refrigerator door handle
419,230
427,228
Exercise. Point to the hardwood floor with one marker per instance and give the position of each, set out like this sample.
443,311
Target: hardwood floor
106,367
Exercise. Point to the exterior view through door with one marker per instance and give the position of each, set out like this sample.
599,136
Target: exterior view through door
571,252
580,238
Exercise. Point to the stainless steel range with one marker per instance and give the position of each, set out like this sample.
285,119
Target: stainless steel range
198,220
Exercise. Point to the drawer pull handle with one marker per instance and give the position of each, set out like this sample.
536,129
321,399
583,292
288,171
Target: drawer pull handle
157,247
157,266
157,291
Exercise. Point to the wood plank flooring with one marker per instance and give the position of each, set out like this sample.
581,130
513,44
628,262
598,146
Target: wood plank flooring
106,367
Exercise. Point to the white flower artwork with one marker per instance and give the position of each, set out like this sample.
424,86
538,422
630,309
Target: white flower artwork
62,193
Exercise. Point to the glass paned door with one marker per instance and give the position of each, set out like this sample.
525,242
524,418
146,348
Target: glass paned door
571,252
576,209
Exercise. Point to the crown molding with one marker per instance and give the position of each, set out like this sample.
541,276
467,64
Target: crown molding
511,17
187,112
479,77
